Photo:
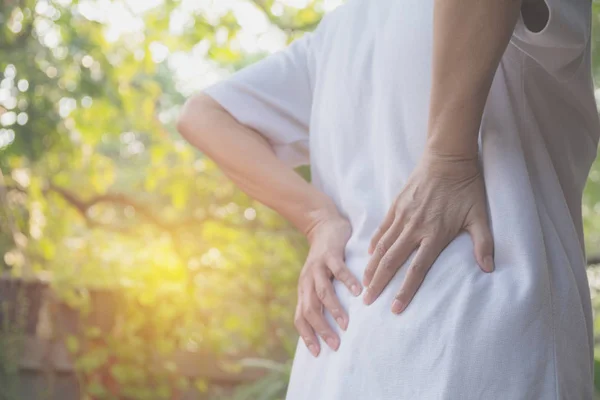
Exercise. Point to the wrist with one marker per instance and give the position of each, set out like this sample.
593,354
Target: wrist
458,149
316,218
453,128
445,164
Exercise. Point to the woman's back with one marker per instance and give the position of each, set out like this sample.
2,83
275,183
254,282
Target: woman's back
354,97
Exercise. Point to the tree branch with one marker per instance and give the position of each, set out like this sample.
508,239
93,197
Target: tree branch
115,198
83,206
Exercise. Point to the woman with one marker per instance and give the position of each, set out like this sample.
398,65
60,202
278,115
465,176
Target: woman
411,111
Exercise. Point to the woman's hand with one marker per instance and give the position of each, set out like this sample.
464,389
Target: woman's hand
325,261
443,196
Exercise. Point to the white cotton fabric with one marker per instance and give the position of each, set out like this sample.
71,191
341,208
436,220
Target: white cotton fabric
353,98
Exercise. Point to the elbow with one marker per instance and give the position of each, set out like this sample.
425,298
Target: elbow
194,119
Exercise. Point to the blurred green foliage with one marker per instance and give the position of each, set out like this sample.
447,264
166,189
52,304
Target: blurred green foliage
100,192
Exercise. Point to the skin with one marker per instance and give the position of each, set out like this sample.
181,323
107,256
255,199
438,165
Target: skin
444,195
235,149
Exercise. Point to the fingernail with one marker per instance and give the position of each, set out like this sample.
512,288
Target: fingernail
355,289
340,322
367,297
488,264
313,350
331,342
397,306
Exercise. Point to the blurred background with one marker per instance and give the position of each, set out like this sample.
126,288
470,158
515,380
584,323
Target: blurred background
131,268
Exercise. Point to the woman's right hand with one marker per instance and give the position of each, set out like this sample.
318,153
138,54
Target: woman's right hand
325,261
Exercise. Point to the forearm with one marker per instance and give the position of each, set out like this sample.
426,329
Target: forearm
470,37
249,161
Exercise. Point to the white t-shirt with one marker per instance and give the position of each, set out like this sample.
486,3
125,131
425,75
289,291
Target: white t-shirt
353,97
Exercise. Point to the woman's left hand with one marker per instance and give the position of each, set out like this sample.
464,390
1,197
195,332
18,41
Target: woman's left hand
443,196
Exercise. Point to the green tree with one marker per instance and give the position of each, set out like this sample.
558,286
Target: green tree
100,191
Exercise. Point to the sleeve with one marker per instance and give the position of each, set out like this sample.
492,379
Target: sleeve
562,40
274,97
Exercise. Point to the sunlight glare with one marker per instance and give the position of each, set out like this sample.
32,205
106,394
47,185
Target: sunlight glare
295,3
250,18
159,52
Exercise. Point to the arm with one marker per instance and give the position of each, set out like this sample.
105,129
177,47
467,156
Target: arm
445,194
248,159
470,37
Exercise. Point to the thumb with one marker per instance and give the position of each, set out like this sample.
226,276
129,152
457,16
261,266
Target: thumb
483,243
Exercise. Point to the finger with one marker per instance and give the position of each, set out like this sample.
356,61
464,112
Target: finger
388,220
483,243
381,248
343,274
313,313
306,333
327,296
389,265
426,255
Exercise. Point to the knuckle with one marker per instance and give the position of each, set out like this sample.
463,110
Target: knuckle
326,332
311,310
426,242
307,340
381,248
343,274
308,313
387,263
417,217
336,268
411,229
418,269
346,279
400,295
321,292
373,289
299,321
